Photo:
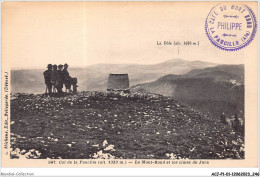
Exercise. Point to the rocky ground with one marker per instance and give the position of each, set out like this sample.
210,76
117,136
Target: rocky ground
116,125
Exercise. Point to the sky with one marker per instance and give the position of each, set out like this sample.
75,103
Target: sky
87,33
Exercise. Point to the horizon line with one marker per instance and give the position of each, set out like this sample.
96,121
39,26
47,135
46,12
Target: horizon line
38,67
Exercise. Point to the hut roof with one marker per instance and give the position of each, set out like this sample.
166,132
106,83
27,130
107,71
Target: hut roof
118,82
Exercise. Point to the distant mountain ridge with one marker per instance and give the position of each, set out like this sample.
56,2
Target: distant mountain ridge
94,78
213,89
220,73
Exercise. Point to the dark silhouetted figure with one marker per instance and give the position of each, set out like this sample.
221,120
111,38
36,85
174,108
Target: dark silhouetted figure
59,80
47,78
54,77
74,82
67,78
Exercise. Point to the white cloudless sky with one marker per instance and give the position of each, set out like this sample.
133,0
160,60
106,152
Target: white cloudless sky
86,33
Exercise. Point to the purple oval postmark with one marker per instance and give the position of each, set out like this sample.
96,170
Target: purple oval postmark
230,26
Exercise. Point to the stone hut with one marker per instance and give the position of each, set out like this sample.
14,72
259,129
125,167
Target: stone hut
118,82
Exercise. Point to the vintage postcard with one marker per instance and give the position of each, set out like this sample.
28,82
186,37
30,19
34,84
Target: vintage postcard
129,84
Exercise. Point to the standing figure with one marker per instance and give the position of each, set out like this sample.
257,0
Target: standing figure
74,82
47,78
54,77
59,80
67,78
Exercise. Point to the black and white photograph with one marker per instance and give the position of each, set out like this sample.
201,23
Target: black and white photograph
160,82
177,109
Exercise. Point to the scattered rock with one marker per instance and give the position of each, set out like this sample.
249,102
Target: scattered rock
105,143
131,122
167,109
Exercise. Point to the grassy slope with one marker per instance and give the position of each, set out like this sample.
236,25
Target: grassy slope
139,126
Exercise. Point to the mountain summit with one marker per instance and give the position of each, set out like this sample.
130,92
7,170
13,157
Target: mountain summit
137,126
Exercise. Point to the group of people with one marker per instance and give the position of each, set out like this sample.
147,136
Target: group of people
57,76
